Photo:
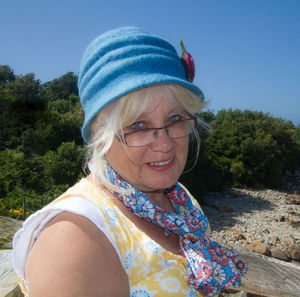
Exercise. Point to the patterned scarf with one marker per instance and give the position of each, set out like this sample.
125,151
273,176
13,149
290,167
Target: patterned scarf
210,266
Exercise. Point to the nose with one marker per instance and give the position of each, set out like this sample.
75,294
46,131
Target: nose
163,142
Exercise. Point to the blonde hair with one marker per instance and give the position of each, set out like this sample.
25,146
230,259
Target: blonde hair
125,111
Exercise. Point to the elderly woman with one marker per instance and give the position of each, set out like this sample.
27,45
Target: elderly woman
129,228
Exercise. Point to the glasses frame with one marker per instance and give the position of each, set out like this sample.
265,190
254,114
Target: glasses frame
123,136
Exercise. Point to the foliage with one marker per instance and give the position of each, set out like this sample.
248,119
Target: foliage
297,135
6,74
64,165
41,150
61,88
246,149
297,140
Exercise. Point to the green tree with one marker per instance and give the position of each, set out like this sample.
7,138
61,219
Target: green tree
297,140
24,88
6,74
40,143
251,148
60,88
297,135
64,165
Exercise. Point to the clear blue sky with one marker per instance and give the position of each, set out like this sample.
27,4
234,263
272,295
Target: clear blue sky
247,52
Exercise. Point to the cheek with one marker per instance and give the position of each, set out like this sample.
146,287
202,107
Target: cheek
126,164
182,151
115,156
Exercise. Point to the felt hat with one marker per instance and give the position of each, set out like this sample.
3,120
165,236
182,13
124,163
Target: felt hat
124,60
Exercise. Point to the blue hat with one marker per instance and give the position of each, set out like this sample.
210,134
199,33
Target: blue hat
124,60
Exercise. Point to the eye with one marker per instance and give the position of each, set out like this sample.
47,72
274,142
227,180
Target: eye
137,125
175,118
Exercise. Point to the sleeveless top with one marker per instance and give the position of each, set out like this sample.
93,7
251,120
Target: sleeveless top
152,270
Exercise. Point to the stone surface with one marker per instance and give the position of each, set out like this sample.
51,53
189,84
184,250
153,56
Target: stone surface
269,277
240,236
295,199
259,247
295,255
234,294
15,293
8,279
8,227
277,253
266,216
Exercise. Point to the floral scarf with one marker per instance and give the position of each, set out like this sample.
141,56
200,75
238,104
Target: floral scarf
210,266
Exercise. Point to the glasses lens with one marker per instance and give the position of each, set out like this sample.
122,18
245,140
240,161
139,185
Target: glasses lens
181,128
147,136
140,138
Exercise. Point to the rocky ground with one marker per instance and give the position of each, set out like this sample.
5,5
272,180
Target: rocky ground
8,227
265,221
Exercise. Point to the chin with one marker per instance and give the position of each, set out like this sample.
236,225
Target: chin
161,184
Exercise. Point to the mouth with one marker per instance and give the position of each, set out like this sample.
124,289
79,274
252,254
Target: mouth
161,165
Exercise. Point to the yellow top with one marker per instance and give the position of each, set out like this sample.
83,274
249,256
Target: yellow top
152,270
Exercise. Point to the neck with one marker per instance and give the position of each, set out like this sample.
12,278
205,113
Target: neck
159,199
156,196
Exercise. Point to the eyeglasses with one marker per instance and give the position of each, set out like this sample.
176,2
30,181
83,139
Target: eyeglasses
146,136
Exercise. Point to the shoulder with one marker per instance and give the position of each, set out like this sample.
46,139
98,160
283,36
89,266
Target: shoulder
72,257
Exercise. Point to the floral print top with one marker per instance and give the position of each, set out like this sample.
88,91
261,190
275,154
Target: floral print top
152,270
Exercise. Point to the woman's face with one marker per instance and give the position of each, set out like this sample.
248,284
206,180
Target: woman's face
156,166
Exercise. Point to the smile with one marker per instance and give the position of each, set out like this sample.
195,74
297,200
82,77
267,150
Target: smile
161,163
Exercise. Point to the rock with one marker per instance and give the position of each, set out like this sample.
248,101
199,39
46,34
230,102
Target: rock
295,255
288,221
295,224
295,199
268,276
278,253
244,243
234,193
255,213
265,231
275,239
8,279
289,242
292,223
8,227
15,293
258,247
232,293
294,213
240,236
225,208
234,230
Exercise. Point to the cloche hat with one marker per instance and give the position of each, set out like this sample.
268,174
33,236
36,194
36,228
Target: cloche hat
124,60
